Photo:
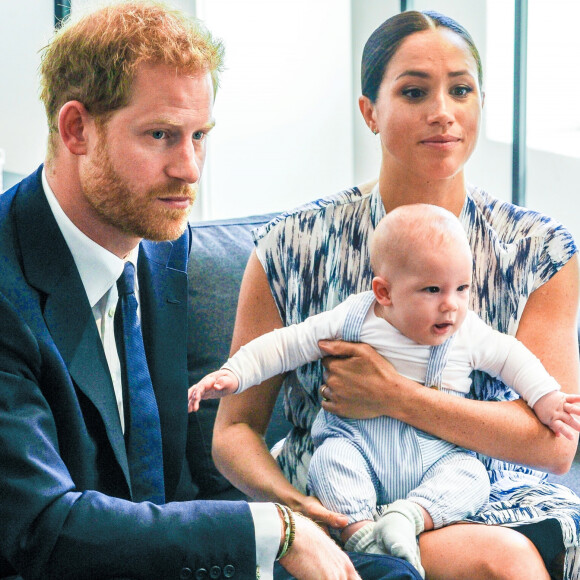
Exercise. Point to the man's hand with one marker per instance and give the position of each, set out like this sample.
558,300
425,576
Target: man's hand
314,556
212,386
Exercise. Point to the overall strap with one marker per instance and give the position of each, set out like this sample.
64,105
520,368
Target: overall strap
437,361
351,333
356,316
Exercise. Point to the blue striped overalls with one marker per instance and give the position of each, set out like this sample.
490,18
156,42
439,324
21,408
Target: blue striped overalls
361,465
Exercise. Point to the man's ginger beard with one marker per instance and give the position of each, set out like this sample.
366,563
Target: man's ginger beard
137,214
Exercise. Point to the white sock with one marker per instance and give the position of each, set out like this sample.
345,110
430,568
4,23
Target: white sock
363,540
397,530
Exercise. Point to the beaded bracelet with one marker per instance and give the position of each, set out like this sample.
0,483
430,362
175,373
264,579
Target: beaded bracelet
284,514
292,534
287,516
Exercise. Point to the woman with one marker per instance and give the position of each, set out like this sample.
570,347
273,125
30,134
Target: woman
422,94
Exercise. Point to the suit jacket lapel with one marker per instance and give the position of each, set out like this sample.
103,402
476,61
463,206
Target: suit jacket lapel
50,268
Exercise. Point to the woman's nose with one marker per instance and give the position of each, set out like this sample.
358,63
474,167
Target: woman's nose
441,112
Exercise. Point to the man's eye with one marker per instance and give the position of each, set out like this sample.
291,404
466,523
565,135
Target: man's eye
158,135
198,135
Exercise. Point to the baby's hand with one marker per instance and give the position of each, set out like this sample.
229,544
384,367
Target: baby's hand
558,411
212,386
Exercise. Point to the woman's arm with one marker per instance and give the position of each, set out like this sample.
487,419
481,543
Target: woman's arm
365,385
239,449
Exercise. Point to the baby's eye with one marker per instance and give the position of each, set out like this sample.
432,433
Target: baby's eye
463,288
432,289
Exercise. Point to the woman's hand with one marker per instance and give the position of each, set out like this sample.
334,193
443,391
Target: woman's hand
313,509
360,384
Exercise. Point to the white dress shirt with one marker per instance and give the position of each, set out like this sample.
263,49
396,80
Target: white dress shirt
99,270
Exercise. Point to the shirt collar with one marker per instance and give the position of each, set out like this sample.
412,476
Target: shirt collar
98,268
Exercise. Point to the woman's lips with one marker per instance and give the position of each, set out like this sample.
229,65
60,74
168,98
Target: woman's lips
441,141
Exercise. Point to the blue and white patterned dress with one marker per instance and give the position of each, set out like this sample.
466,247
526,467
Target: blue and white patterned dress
317,255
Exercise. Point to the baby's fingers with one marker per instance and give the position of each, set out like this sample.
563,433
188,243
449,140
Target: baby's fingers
561,427
194,397
201,390
571,416
219,386
571,408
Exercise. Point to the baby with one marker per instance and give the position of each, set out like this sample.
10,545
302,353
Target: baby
417,317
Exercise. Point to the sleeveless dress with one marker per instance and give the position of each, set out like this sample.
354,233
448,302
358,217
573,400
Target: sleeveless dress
318,254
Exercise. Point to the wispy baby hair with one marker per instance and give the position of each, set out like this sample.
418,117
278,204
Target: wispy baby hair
409,229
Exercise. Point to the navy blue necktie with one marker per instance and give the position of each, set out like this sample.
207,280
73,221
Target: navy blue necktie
143,429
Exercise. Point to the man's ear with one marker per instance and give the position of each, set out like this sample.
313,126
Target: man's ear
73,124
382,291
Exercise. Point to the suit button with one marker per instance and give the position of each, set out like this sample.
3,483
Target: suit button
215,572
185,574
200,573
229,571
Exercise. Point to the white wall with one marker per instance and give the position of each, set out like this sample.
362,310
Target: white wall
283,132
367,15
25,27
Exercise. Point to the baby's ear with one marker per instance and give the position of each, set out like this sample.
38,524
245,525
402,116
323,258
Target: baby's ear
382,290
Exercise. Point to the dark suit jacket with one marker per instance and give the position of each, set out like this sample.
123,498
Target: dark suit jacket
65,507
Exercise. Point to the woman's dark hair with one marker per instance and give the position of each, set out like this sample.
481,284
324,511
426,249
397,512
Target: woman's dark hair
384,42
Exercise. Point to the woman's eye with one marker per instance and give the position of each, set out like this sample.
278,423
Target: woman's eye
413,93
461,91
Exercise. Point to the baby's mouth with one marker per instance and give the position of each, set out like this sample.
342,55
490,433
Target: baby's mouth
443,326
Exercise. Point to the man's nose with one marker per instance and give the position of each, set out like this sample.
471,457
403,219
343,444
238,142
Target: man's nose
185,164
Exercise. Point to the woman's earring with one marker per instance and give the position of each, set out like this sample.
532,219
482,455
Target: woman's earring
375,132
